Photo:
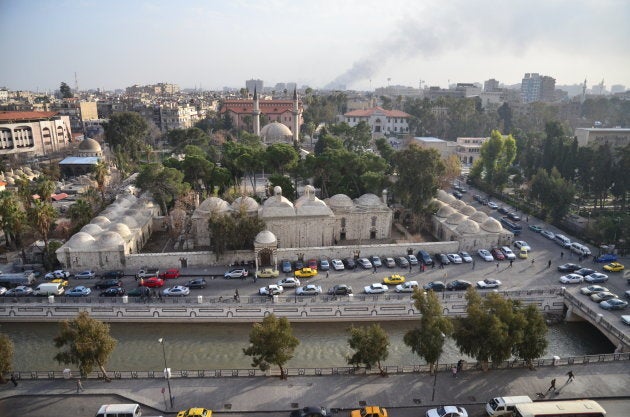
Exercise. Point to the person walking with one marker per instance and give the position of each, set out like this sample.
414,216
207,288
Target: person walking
237,297
326,274
460,365
549,264
14,380
552,386
79,385
432,265
473,264
497,266
454,371
561,255
511,260
571,376
410,266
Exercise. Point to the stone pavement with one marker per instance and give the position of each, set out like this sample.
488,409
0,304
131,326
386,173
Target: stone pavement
594,380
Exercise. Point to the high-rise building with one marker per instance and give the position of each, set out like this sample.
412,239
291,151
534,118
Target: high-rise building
491,85
535,87
252,85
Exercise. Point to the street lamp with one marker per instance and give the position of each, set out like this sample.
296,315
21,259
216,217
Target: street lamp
437,364
167,371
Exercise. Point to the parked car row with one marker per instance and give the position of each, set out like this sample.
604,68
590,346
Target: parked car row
606,299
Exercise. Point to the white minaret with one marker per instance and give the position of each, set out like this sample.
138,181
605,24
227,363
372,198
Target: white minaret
296,118
256,114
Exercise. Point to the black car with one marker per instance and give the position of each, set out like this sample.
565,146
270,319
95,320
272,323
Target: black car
503,210
458,285
350,263
112,292
112,274
569,267
298,265
457,195
434,286
340,289
139,292
108,283
401,261
424,257
514,216
197,283
585,271
442,258
310,412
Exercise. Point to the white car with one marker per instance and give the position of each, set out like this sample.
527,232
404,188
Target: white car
289,282
412,259
376,288
592,289
492,205
365,263
337,265
488,283
390,263
572,279
521,244
598,297
549,235
596,277
408,286
485,255
447,411
454,258
271,289
176,291
466,257
88,274
507,252
309,289
60,273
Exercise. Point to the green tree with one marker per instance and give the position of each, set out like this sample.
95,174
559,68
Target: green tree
166,184
427,341
99,173
283,182
534,341
12,219
385,149
80,213
126,133
42,217
419,171
281,157
86,342
271,343
65,91
370,345
497,155
452,170
6,356
44,187
553,192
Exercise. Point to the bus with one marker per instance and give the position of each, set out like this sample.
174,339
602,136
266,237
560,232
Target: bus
511,226
577,408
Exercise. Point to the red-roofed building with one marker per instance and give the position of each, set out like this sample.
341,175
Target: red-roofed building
382,122
34,132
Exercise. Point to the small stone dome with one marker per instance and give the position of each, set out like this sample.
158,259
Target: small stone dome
369,200
437,203
467,210
491,225
212,205
479,217
246,203
340,201
121,229
443,196
455,218
109,240
129,221
92,229
457,204
445,211
276,132
101,221
265,238
468,227
310,205
80,240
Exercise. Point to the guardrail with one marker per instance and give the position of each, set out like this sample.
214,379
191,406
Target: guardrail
322,371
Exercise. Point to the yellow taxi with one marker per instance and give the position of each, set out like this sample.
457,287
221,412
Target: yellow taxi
305,272
394,279
523,254
614,267
372,411
64,283
195,412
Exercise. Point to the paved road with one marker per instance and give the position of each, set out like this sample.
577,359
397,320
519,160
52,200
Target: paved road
405,395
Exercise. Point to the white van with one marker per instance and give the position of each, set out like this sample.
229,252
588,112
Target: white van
580,249
505,405
49,288
119,410
563,241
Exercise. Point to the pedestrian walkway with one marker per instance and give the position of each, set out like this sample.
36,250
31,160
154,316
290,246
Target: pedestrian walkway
594,380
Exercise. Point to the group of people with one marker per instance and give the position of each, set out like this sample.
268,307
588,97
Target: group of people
552,387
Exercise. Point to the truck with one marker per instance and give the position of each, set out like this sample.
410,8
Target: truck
14,279
147,273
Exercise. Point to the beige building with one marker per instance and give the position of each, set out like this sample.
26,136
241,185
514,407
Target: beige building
615,137
444,147
78,112
37,133
382,122
469,149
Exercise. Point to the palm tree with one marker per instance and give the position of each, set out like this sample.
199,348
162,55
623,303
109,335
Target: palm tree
45,187
42,216
99,173
80,213
12,219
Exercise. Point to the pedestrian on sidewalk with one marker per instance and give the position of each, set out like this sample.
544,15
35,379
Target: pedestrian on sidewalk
410,266
473,264
14,380
594,259
423,267
445,275
549,264
326,274
454,371
511,260
497,266
552,386
571,376
374,269
79,385
561,255
460,365
432,265
533,260
236,296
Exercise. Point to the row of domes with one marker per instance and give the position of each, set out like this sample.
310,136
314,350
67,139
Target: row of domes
465,217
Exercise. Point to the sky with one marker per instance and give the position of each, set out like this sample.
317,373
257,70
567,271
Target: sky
362,44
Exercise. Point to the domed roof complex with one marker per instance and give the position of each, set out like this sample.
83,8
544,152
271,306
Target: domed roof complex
340,201
213,205
369,201
80,240
479,217
109,240
310,205
443,196
121,229
92,229
277,206
491,225
467,210
276,132
265,238
445,211
89,145
468,227
457,204
101,221
455,218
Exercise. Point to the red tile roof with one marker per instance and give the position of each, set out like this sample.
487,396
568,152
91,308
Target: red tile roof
9,116
372,111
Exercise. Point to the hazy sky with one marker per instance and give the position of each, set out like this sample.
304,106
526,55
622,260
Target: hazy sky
359,43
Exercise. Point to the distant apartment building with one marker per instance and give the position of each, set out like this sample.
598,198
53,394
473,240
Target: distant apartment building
491,85
252,85
4,95
33,133
469,149
536,87
77,111
382,122
360,103
153,89
615,137
445,148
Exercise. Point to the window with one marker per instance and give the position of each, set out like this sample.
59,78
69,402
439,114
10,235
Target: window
373,221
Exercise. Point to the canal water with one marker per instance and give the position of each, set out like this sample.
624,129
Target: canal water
220,346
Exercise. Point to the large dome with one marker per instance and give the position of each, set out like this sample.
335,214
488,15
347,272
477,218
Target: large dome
92,229
340,201
265,238
276,132
246,203
310,205
491,225
444,196
121,229
214,205
101,221
89,145
109,240
457,204
80,240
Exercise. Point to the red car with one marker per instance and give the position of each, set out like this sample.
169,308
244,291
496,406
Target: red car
152,282
170,273
312,263
498,255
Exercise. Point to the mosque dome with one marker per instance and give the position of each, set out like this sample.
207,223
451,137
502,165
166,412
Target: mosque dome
109,240
276,132
89,145
265,238
445,211
369,200
468,227
467,210
479,217
278,205
101,221
121,229
310,205
443,196
491,225
455,218
246,203
80,240
340,201
92,229
213,205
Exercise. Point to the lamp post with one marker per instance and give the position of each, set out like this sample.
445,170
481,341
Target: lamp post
435,372
167,371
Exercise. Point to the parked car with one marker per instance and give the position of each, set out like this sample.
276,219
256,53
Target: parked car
341,289
497,254
112,274
289,282
376,261
569,267
271,289
535,228
607,257
268,273
458,195
614,304
442,258
485,255
466,257
112,292
298,265
176,291
3,290
311,412
488,283
64,282
305,273
585,271
614,267
458,285
138,292
106,283
549,235
191,412
571,279
349,263
87,274
412,260
153,282
408,286
507,252
170,274
371,411
514,216
424,257
376,288
434,286
78,291
454,258
337,265
447,411
198,283
492,205
592,289
394,279
309,289
598,297
19,291
596,277
324,265
402,262
365,263
286,266
390,263
523,253
521,244
236,273
59,273
312,263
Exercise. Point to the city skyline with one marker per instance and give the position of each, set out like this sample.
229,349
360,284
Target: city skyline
361,45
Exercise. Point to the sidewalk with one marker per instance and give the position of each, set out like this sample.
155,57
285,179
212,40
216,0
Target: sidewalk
595,380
